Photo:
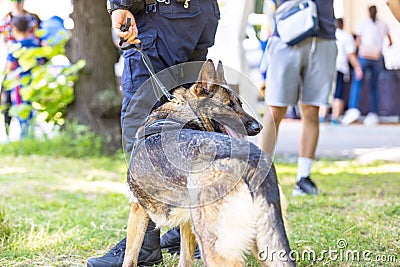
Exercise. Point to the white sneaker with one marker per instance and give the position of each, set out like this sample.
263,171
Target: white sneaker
371,119
351,116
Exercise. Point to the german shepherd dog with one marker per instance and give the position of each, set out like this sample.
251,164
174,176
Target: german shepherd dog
219,188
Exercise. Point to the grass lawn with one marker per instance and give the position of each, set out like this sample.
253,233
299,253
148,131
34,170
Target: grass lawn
57,211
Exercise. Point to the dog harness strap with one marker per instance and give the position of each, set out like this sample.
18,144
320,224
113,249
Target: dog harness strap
157,127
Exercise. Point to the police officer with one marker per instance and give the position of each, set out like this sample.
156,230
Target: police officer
171,32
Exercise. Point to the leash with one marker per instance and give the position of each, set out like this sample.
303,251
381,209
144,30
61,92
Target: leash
146,60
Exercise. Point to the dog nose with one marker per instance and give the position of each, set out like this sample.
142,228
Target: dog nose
253,128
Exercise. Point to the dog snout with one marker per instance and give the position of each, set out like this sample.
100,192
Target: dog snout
253,128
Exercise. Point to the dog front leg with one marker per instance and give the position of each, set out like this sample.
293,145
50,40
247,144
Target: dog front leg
137,224
188,245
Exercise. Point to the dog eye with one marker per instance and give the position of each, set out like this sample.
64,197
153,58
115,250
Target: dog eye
231,104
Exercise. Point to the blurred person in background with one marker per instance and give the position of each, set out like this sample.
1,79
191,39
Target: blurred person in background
371,34
18,10
302,73
7,36
346,53
54,31
22,38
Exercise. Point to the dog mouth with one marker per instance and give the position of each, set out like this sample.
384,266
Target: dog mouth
225,129
231,132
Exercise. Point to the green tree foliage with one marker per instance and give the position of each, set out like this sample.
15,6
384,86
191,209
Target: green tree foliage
50,86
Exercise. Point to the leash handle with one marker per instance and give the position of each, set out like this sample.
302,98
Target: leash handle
125,28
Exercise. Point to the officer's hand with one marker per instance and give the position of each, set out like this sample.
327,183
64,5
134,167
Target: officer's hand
118,18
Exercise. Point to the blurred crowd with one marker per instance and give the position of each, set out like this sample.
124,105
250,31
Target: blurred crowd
21,31
364,87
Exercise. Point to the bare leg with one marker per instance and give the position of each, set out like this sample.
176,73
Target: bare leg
309,131
323,111
337,108
269,134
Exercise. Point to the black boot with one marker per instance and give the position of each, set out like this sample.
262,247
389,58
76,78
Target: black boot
171,241
150,252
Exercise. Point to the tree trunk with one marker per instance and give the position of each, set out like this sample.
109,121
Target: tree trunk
97,99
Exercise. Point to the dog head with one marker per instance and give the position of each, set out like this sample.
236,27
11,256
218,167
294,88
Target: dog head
218,107
209,105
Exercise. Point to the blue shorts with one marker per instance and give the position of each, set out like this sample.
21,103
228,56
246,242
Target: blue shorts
339,85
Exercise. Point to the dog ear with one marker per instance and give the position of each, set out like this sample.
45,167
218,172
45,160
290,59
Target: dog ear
207,79
220,74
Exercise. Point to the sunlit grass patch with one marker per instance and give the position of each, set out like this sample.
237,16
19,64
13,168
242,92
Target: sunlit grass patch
57,211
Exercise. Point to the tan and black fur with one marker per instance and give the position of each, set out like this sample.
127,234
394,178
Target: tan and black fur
220,189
